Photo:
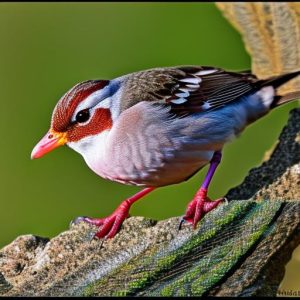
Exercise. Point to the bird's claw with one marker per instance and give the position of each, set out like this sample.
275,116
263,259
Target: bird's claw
108,227
226,202
77,221
199,206
181,222
94,237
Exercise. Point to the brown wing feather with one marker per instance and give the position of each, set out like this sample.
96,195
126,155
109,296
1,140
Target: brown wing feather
188,89
216,88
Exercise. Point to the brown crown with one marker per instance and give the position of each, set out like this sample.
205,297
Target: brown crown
64,110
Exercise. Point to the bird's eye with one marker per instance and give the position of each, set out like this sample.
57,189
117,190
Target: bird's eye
82,116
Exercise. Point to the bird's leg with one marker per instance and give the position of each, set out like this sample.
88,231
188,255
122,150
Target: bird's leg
201,204
109,226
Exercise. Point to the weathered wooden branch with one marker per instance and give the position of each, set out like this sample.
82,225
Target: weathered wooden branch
238,249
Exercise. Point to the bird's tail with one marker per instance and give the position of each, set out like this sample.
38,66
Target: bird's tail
282,99
276,82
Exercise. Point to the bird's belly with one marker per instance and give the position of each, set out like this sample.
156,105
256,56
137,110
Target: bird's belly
170,171
158,151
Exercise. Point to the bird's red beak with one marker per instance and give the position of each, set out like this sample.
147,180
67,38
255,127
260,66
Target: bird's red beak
48,143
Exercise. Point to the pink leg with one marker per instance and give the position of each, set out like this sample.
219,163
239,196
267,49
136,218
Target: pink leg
201,204
109,226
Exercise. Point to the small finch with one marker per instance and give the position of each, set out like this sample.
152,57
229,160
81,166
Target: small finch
159,127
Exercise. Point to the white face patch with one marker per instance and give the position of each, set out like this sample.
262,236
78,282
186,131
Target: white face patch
108,97
92,101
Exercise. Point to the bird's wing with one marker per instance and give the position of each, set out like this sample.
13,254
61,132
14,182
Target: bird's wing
190,89
207,88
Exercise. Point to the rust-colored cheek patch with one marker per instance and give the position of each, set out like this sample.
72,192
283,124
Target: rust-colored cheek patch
100,121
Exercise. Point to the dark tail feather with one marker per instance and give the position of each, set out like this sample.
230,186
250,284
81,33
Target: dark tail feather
279,80
279,100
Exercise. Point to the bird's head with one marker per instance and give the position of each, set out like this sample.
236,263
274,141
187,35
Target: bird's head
82,113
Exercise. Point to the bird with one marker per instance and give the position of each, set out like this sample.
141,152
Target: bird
159,127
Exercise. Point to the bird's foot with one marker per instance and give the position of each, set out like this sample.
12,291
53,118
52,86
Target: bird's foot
198,207
109,226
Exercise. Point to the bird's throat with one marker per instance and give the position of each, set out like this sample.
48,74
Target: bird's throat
92,148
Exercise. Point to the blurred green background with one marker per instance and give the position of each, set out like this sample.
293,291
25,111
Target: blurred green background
46,48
